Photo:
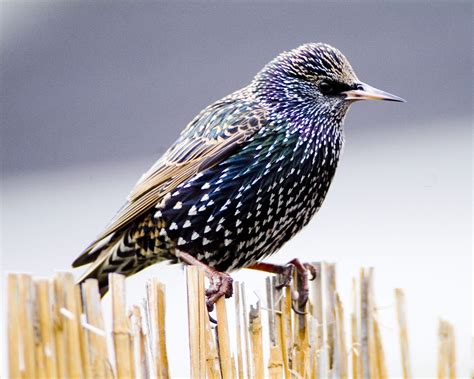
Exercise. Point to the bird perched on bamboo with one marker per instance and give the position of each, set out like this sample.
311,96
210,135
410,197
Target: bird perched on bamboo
246,175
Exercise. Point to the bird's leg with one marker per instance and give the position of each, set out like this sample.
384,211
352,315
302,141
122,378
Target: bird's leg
286,273
221,282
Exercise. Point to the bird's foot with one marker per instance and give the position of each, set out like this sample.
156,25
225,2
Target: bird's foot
286,272
221,285
221,282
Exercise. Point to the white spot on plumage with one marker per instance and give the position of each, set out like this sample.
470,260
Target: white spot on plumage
192,211
187,224
178,205
173,226
181,241
194,236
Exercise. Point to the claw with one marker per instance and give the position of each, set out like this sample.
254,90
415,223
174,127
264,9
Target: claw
221,285
297,311
312,269
286,275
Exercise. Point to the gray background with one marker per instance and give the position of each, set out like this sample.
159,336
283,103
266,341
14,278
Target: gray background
93,93
85,83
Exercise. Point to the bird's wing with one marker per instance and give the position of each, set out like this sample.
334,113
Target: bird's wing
211,137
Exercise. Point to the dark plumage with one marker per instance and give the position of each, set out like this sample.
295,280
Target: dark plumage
244,176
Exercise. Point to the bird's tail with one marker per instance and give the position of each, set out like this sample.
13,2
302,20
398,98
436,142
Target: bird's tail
118,255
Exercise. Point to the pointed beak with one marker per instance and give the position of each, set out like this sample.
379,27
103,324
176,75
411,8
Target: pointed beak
366,92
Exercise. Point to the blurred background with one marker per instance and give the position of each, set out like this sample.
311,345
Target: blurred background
92,93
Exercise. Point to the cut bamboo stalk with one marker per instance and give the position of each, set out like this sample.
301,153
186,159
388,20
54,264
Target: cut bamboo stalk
284,331
442,350
248,361
156,302
196,318
40,359
330,290
139,347
301,336
381,366
255,329
223,339
212,358
364,325
71,317
60,332
120,328
43,293
320,292
374,368
342,357
238,331
452,352
288,329
26,321
275,363
446,351
83,339
403,332
96,332
355,347
13,318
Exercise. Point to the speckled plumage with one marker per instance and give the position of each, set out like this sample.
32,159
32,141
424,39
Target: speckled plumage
244,176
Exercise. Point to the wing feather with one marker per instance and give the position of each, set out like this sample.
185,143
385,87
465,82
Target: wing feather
211,137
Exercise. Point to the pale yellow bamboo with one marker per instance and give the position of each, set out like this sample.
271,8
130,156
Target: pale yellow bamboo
238,331
60,330
442,350
275,364
373,359
43,293
96,333
452,352
196,318
140,341
381,365
72,322
403,332
255,329
316,311
341,339
156,302
223,338
212,358
330,282
121,332
83,338
355,347
13,318
284,325
301,342
365,325
26,321
40,358
248,359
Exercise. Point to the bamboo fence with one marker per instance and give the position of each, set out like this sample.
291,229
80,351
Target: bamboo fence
57,329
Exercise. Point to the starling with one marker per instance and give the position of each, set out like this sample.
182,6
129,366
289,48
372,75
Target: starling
245,175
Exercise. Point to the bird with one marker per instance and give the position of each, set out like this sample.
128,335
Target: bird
243,177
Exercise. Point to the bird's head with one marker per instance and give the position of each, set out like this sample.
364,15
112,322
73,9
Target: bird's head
314,79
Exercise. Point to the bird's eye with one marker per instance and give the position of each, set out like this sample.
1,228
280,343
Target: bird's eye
331,87
325,87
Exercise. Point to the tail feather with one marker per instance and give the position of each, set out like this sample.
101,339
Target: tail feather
118,255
